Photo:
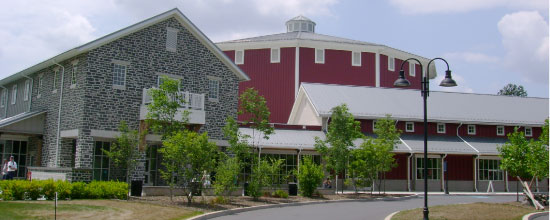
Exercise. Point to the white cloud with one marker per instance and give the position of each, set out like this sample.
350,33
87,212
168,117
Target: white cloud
472,57
460,81
446,6
525,38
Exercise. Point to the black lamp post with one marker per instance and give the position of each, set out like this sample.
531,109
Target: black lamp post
447,82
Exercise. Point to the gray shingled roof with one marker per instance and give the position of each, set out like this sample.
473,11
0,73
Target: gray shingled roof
406,104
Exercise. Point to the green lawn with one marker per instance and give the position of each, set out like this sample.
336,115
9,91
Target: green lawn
480,211
91,209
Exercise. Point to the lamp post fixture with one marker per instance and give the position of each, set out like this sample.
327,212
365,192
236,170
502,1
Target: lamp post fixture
447,82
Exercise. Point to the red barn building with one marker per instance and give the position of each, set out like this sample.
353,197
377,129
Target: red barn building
277,64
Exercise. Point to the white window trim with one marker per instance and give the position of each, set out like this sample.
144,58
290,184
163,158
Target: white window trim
278,60
444,128
407,127
439,168
530,133
168,31
503,131
373,125
14,94
217,79
27,90
468,129
480,169
3,97
40,85
412,69
120,63
353,56
316,58
237,57
391,67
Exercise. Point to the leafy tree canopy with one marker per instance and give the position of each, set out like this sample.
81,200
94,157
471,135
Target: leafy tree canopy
513,90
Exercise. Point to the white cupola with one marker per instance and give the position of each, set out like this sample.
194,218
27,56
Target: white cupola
300,23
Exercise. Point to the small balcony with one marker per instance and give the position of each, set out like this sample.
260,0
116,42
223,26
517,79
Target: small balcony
193,103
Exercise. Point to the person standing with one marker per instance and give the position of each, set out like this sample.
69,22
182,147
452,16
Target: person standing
12,167
4,169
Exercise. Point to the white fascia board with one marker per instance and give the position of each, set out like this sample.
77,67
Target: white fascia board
451,121
302,97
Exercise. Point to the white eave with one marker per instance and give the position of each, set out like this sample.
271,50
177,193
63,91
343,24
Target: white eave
176,13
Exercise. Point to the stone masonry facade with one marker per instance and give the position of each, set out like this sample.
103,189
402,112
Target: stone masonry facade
94,104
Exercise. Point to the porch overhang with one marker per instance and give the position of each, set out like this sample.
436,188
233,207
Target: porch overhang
31,123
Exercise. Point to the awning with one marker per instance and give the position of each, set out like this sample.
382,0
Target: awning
25,123
286,139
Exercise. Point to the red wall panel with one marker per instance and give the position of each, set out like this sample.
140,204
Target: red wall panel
337,68
388,77
400,171
460,167
274,81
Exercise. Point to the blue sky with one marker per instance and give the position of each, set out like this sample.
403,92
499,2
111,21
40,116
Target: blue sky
488,43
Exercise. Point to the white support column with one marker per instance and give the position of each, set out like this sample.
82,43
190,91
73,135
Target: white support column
296,71
377,69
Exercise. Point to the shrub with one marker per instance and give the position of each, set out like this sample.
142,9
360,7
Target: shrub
219,200
310,176
48,189
5,188
63,189
79,190
34,189
18,189
280,194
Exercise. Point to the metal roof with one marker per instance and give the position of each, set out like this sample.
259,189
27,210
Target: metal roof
176,13
300,18
406,104
486,146
287,139
299,36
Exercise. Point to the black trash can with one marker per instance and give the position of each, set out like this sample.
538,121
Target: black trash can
245,188
136,188
292,189
196,188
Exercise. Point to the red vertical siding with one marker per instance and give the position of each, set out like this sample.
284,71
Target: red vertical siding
388,77
400,171
274,81
337,68
460,167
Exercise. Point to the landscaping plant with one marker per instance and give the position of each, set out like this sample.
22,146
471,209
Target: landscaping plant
310,176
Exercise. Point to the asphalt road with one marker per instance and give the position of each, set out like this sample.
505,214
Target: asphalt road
358,209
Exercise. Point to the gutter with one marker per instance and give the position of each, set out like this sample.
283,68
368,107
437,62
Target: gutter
59,113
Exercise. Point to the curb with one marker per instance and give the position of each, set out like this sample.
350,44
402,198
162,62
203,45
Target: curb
253,208
391,215
534,215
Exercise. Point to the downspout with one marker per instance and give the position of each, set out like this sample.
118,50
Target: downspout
475,159
30,92
6,101
409,171
443,172
299,161
59,113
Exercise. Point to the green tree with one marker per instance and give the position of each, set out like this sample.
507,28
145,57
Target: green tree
187,156
513,90
342,131
310,176
259,178
227,173
274,172
165,115
124,151
254,108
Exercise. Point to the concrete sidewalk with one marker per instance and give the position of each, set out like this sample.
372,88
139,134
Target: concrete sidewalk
437,193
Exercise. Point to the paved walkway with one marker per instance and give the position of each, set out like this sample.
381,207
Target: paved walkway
360,209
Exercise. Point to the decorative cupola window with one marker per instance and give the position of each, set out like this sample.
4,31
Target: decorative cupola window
300,23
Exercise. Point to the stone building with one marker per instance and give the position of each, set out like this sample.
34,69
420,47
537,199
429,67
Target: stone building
58,114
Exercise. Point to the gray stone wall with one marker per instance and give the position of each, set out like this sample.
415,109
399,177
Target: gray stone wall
146,55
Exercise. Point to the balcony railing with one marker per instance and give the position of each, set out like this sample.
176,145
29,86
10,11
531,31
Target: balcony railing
190,100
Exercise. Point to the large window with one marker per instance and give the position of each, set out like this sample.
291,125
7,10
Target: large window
17,149
101,161
434,168
490,170
152,162
119,76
